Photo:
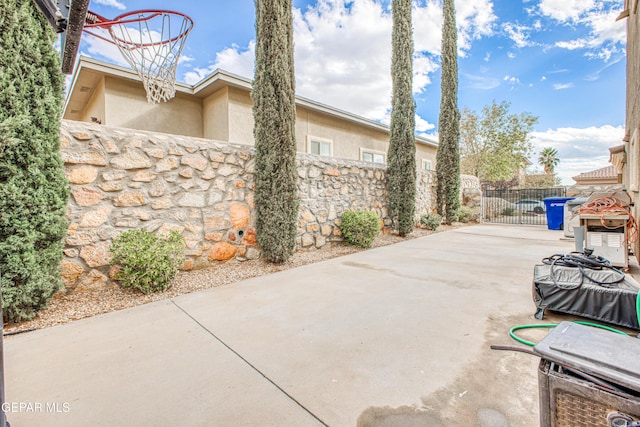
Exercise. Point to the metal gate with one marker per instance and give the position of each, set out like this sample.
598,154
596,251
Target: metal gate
525,206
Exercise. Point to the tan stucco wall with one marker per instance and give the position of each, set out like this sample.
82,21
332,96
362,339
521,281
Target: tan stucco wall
96,105
240,117
215,119
633,114
126,106
227,115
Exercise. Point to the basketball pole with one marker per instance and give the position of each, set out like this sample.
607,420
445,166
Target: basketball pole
3,415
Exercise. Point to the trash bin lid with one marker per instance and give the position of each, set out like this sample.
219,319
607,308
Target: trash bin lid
557,199
610,356
577,201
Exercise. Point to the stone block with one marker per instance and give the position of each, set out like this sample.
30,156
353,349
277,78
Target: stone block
250,237
82,175
325,230
195,200
113,175
252,253
307,240
167,228
143,176
70,272
110,187
97,255
217,222
85,196
196,161
214,237
71,253
331,172
81,238
84,158
130,199
109,146
131,159
222,251
95,217
239,214
92,281
167,164
227,170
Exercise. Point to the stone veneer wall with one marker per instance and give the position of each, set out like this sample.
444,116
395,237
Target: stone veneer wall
123,179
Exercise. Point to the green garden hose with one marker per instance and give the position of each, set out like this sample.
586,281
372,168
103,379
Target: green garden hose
553,325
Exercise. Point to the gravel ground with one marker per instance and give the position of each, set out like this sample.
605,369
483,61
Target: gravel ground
68,307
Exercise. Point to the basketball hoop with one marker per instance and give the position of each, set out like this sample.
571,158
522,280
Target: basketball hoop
151,41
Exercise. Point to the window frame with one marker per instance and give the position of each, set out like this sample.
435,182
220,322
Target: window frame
364,150
426,162
321,141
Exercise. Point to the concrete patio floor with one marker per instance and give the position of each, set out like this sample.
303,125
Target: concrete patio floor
393,336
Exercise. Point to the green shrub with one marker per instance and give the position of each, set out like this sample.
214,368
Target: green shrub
33,189
465,214
360,228
147,262
509,211
431,221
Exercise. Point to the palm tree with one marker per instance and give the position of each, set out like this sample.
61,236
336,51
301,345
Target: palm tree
549,159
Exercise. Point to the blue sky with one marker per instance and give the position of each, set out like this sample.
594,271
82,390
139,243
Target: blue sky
561,60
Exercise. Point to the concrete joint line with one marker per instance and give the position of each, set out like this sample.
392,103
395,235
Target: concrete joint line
250,365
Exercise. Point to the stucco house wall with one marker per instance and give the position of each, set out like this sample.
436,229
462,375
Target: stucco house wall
631,172
220,108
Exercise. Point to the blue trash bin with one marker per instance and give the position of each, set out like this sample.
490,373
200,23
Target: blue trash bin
555,211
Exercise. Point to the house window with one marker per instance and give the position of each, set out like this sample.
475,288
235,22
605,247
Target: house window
372,156
320,146
426,164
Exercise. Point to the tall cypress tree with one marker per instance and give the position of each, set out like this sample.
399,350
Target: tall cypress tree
33,189
401,156
276,194
448,155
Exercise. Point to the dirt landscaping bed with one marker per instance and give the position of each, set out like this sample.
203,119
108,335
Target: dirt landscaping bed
79,305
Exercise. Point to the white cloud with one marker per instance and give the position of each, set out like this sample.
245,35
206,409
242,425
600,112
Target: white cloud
113,3
423,126
565,10
519,34
234,60
343,51
562,86
579,149
96,47
511,80
478,81
605,37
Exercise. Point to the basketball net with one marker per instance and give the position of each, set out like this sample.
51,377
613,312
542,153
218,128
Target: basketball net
151,41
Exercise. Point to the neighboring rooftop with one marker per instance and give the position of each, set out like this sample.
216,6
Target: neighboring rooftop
606,174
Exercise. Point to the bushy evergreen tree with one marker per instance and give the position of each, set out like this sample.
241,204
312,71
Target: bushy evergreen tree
448,155
33,189
276,194
401,158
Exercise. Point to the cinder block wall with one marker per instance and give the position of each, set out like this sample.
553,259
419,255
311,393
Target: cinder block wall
124,179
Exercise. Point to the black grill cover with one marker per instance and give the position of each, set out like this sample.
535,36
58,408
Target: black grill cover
574,293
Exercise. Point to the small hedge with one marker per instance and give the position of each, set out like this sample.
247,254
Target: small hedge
465,214
359,228
431,221
147,262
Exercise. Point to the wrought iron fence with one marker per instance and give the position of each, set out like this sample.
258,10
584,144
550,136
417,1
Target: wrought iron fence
524,206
